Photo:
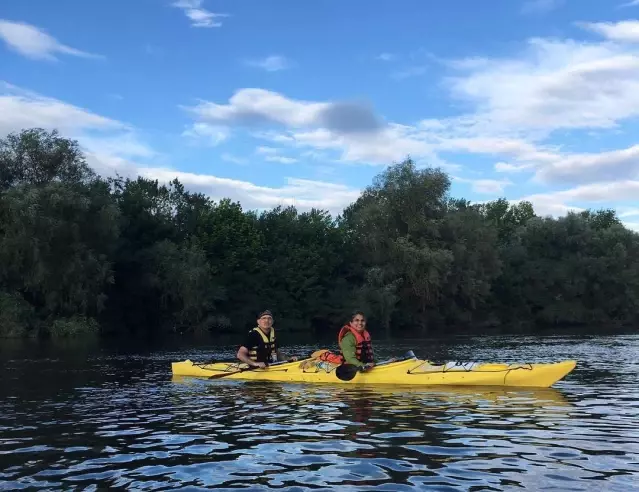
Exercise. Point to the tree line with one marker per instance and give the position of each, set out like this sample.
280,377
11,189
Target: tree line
80,253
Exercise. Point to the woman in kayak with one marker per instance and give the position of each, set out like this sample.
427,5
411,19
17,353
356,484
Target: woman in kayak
260,346
355,342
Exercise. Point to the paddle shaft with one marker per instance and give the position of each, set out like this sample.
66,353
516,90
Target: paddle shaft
314,355
250,368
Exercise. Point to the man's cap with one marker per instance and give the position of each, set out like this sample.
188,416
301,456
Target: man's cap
265,313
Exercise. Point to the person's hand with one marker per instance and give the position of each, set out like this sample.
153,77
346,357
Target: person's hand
259,364
293,359
367,367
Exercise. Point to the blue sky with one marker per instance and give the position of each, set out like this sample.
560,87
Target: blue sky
303,103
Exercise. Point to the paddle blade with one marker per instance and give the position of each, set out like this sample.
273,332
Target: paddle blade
346,372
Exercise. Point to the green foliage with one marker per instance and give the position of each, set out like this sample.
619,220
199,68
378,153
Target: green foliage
56,243
36,157
16,316
582,268
75,326
183,279
506,218
379,297
80,255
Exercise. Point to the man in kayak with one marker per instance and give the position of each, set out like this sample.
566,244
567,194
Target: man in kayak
260,346
355,342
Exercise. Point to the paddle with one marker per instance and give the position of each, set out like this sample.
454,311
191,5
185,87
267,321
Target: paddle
346,372
313,355
250,368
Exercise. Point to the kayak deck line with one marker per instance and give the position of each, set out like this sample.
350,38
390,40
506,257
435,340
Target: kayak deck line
206,366
412,372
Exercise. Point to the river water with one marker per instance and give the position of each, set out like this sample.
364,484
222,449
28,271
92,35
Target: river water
94,417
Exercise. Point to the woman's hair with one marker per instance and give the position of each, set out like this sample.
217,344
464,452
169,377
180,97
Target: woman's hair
355,313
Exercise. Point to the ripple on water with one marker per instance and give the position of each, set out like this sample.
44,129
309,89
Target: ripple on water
141,430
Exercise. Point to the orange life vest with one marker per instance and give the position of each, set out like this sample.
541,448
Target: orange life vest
364,347
331,358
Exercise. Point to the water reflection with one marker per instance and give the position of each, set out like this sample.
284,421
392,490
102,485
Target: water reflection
124,422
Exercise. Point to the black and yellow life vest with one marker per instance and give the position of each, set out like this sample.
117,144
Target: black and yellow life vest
265,351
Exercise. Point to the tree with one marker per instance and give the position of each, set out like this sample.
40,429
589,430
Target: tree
397,221
81,254
55,248
37,157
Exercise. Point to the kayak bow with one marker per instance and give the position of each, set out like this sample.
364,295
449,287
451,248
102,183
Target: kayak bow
411,372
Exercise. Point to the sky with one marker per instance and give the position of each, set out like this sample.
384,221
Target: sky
303,103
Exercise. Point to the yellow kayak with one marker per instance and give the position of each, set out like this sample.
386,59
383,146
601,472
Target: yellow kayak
409,372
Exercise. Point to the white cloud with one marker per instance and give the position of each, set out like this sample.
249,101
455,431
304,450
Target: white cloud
547,204
627,190
253,106
558,203
392,144
584,168
554,85
273,155
121,144
408,72
303,194
624,31
632,3
210,134
628,212
386,57
520,149
506,167
24,109
490,186
112,147
273,63
249,105
281,159
471,63
200,17
234,159
35,43
266,150
540,6
515,106
486,186
347,127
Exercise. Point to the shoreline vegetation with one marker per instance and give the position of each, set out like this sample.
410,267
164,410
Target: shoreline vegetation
82,254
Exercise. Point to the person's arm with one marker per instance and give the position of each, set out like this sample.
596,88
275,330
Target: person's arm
243,353
349,347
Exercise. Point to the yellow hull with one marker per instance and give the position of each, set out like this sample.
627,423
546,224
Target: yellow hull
412,372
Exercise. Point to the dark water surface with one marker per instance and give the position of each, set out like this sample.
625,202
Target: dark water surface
95,417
